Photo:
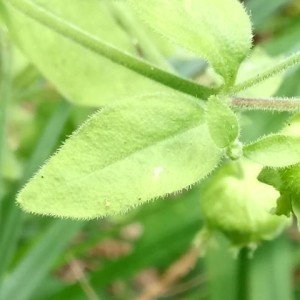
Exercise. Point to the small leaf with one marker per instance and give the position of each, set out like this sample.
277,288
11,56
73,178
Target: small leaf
270,176
286,180
284,206
290,180
290,191
274,150
122,156
217,30
222,122
274,178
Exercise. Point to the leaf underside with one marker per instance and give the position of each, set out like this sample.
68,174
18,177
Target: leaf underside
203,27
83,77
122,156
276,150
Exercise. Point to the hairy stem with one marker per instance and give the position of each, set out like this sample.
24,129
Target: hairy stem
271,104
283,65
94,44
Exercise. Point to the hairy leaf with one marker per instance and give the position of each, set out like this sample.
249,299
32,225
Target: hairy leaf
270,176
290,191
284,205
273,177
122,156
217,30
222,122
82,76
292,127
275,150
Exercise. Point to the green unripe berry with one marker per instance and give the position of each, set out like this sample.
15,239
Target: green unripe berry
236,203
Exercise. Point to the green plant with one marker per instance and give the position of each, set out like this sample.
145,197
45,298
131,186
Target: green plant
145,147
156,132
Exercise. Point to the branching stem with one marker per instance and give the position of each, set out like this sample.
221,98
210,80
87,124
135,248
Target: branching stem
108,51
151,71
271,104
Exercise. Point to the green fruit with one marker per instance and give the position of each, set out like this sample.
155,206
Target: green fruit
236,203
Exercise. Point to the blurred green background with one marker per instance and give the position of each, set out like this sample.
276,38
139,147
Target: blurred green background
145,254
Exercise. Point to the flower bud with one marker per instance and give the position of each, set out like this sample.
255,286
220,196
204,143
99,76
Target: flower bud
236,203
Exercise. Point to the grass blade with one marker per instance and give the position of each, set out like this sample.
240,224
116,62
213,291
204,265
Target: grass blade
271,271
19,286
10,225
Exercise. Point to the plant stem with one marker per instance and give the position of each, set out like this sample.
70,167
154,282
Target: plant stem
271,104
11,224
243,275
94,44
283,65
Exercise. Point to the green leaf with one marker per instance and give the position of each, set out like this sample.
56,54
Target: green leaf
291,180
284,205
275,150
82,76
292,127
20,286
221,270
124,155
217,30
222,122
11,217
274,178
270,176
2,14
290,191
271,269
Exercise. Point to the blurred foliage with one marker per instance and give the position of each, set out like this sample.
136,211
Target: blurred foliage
124,257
